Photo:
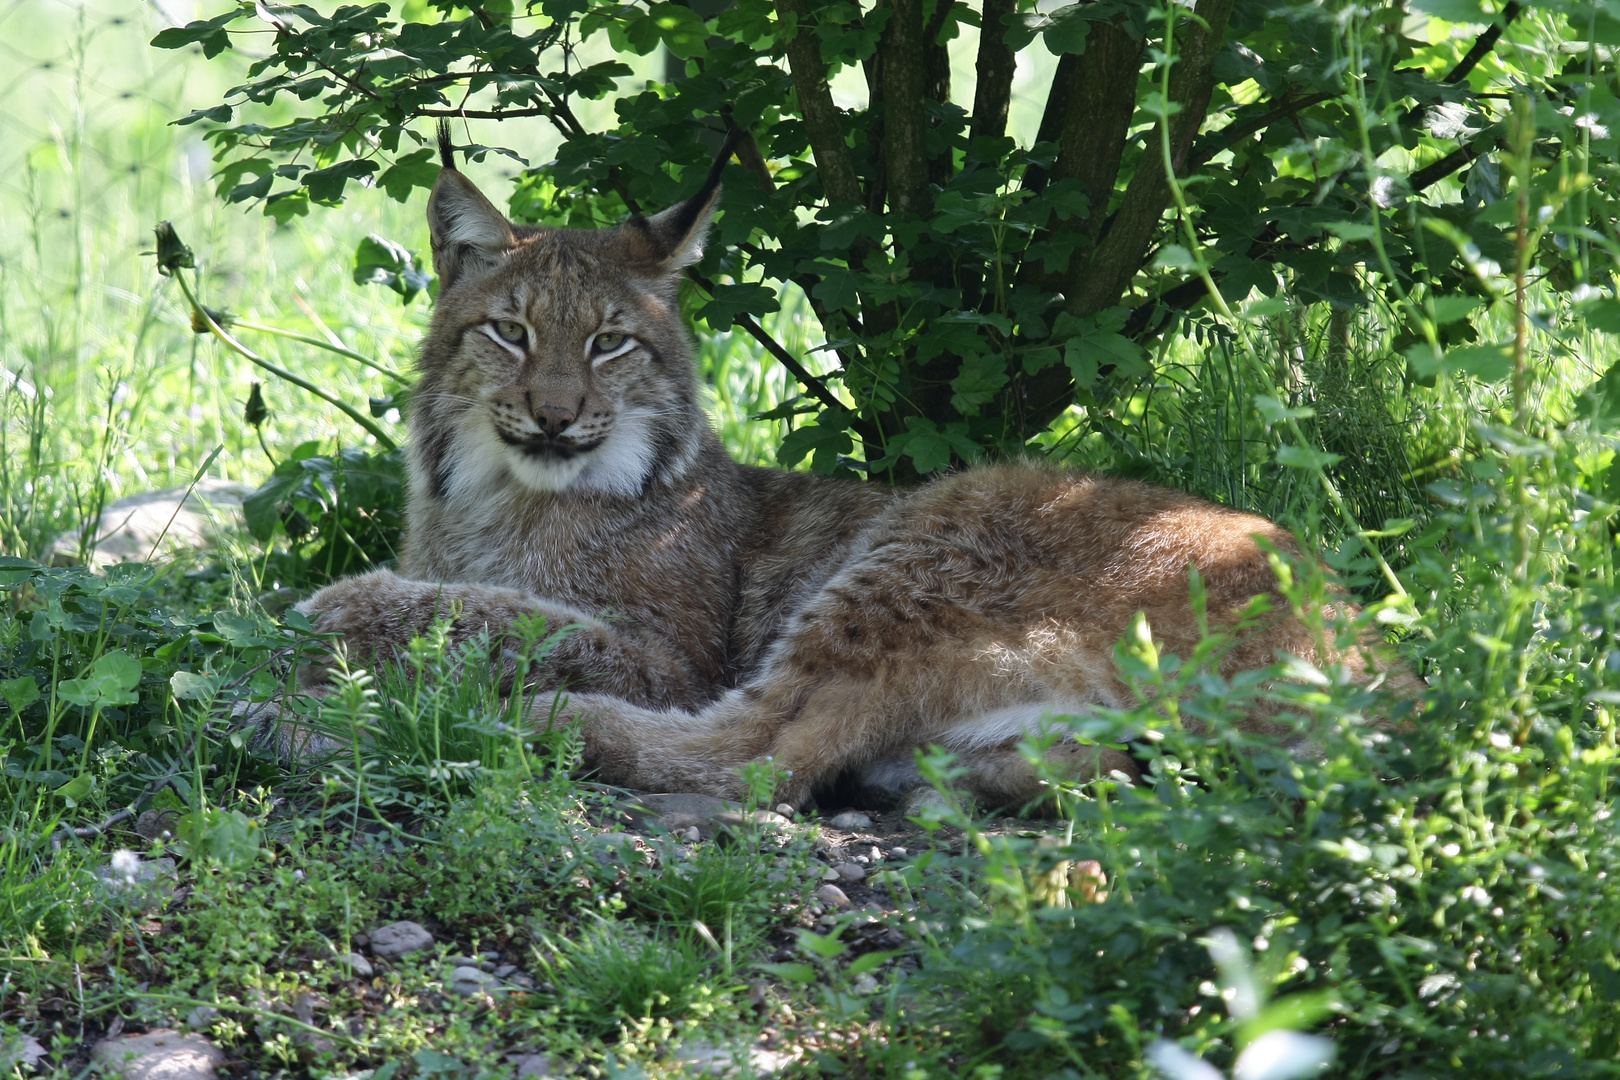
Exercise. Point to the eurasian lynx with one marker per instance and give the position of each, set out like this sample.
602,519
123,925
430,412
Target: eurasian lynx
561,463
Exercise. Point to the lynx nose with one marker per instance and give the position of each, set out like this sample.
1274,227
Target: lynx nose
553,420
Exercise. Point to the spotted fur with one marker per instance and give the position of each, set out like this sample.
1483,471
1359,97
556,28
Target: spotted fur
561,464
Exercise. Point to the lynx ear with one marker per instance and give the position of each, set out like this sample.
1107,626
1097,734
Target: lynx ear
678,233
470,236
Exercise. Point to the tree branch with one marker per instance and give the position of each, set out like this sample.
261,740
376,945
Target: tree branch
1483,44
818,389
1232,134
995,66
1100,281
905,121
833,164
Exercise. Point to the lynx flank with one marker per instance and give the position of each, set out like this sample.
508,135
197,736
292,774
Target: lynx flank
561,463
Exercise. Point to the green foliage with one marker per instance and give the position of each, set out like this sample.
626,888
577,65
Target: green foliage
340,513
617,973
972,286
1414,878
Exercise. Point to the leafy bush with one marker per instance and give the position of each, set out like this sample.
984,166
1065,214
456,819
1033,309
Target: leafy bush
1441,886
340,514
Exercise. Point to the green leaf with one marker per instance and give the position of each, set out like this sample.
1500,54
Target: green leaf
188,686
210,33
1067,31
380,261
821,440
20,692
1273,411
77,790
326,185
825,946
1095,342
409,172
1450,309
1305,457
867,961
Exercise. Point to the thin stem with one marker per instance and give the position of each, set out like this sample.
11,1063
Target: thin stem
254,358
1218,301
276,331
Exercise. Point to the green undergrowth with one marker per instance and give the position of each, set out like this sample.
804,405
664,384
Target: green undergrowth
1427,887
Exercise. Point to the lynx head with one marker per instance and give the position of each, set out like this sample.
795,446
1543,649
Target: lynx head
557,359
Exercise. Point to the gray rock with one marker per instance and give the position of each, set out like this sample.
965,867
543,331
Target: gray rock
522,980
160,1054
851,820
504,970
785,810
130,527
142,883
919,801
850,871
357,965
468,981
829,874
898,852
699,1058
21,1052
833,895
400,939
538,1065
152,824
201,1017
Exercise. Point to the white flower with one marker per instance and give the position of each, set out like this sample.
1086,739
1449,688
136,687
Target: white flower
1477,895
1283,1055
126,864
1178,1063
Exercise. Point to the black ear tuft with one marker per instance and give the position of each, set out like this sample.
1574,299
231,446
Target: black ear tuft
447,149
677,234
702,202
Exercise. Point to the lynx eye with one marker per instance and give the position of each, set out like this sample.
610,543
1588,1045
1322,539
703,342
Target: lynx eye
606,343
510,331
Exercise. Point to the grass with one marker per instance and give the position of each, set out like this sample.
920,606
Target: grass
1434,893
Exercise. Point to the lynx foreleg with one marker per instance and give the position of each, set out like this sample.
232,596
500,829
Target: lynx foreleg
378,614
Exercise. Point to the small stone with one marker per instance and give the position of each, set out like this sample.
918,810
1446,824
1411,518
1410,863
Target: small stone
468,981
785,810
538,1065
850,820
521,979
504,970
866,983
850,871
898,852
833,895
875,854
829,874
152,824
692,835
489,954
361,941
615,840
160,1054
776,877
400,939
24,1051
201,1017
357,965
827,920
923,801
705,1059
